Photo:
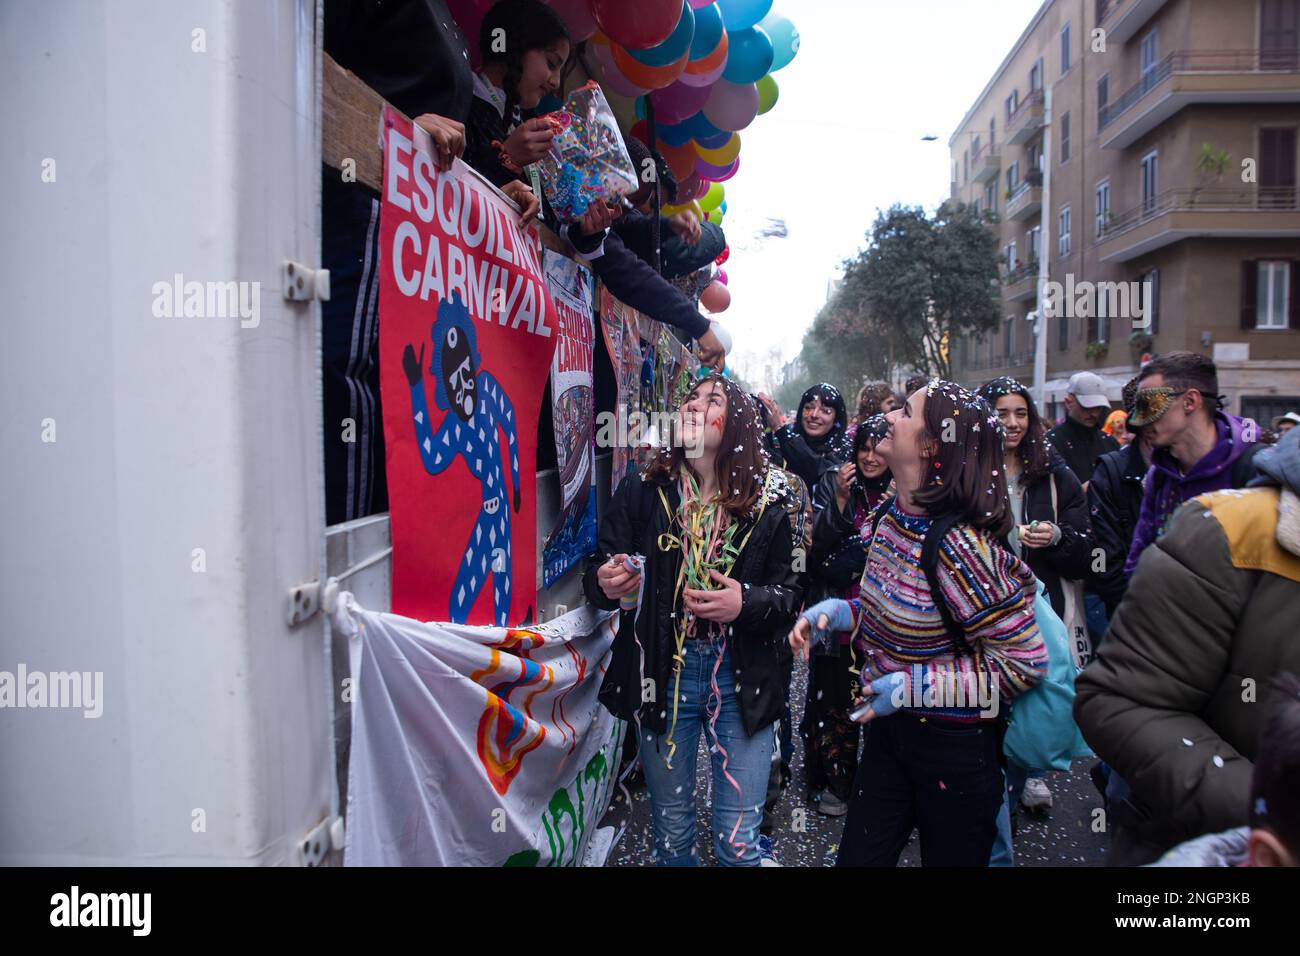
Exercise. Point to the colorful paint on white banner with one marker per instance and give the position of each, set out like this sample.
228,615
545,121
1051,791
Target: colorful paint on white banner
477,746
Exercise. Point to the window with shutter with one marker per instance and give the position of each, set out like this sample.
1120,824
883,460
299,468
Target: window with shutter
1249,290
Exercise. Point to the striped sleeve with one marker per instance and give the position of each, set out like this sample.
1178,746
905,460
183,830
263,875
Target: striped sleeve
990,592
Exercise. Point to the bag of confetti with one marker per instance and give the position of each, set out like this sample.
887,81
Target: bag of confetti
587,160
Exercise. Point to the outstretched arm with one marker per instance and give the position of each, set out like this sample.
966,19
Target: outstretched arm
435,455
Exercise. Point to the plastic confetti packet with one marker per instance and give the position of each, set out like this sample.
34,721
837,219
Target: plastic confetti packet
587,161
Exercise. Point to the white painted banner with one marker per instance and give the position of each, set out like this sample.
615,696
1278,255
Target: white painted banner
477,746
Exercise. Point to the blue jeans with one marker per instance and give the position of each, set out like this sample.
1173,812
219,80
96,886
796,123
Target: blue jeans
737,808
1097,618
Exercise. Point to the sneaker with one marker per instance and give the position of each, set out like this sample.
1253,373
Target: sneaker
831,805
1036,796
766,852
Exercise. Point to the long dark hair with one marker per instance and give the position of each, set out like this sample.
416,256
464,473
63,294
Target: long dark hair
965,474
869,434
742,463
1033,451
527,25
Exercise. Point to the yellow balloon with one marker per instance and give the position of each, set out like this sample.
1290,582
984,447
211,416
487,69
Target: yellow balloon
695,208
724,155
673,208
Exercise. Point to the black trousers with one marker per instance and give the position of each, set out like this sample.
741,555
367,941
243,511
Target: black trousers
943,778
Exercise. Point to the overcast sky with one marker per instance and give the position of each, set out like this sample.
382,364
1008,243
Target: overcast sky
871,78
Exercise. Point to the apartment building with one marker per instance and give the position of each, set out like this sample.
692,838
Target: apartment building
1150,142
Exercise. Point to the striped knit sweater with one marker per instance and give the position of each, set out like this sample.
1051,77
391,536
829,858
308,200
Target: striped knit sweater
990,593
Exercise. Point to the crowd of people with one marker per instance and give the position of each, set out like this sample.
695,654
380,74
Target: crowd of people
905,549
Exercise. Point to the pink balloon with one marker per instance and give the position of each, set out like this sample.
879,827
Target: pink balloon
722,276
611,76
701,4
677,101
576,15
731,106
715,297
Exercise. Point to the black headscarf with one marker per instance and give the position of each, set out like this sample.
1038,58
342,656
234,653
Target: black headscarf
810,457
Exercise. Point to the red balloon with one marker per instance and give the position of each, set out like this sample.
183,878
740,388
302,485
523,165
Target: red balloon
723,256
638,25
715,297
681,159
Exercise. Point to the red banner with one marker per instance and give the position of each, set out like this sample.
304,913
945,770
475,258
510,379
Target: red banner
466,334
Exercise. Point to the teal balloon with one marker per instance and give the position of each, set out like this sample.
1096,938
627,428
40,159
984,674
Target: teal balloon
743,14
708,31
638,105
749,56
784,36
723,207
549,104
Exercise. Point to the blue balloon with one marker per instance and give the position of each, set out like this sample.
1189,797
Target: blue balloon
716,142
675,47
638,106
723,207
549,104
749,56
784,36
701,129
742,14
678,134
708,31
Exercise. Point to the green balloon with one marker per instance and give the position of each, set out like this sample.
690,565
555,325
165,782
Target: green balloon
713,198
768,93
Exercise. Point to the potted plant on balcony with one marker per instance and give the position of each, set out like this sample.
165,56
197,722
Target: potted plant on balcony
1212,163
1096,350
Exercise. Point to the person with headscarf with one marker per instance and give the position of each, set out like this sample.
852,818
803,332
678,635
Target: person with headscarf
817,440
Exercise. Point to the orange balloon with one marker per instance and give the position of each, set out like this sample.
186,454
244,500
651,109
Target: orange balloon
681,159
647,77
709,63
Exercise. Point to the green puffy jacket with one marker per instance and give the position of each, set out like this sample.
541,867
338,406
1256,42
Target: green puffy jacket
1176,697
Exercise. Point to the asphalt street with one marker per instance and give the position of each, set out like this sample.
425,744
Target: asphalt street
1063,836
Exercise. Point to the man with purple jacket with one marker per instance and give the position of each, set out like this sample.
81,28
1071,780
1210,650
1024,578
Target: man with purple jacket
1198,448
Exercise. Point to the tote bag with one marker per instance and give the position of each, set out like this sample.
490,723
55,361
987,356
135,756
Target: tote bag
1041,732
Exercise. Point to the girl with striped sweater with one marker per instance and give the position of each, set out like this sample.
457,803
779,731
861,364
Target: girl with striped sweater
944,628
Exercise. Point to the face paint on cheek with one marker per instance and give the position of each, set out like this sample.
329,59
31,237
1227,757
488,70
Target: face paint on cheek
717,423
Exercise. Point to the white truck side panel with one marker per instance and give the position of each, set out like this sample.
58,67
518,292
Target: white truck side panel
172,433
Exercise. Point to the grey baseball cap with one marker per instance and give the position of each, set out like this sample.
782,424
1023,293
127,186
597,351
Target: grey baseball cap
1089,390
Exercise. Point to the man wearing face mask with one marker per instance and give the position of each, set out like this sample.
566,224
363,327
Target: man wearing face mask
817,440
1079,439
1198,448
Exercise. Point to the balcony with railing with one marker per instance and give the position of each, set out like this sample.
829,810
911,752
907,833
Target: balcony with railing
986,164
1201,76
1027,121
1261,212
1025,201
1020,359
1122,19
1021,283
